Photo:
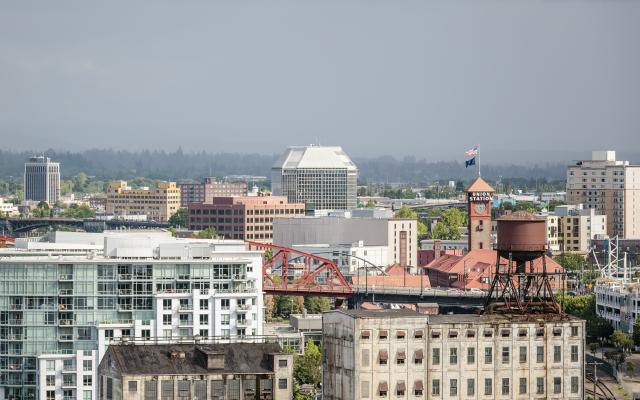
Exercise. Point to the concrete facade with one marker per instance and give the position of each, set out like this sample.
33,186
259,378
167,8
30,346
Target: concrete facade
157,204
349,257
205,191
404,355
611,187
577,226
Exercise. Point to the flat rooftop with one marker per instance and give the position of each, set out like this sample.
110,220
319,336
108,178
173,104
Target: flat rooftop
456,318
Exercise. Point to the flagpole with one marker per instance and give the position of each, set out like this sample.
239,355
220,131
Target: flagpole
478,155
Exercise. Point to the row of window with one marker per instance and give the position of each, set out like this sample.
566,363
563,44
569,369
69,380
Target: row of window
383,334
436,390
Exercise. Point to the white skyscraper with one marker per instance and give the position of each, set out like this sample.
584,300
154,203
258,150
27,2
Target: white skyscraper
42,179
322,177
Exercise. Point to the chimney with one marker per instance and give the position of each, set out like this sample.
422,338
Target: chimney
210,359
437,249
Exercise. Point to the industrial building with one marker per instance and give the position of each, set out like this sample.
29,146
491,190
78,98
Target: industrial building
205,191
611,187
238,371
42,180
321,177
59,312
157,204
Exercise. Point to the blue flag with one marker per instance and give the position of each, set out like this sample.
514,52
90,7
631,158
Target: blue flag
469,163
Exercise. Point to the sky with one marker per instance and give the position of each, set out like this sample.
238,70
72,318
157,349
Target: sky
526,80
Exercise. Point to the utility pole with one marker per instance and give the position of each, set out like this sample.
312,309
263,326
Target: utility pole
595,378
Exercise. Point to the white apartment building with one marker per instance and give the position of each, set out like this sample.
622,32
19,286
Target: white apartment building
399,354
609,186
398,235
42,180
577,226
58,313
322,177
8,209
349,257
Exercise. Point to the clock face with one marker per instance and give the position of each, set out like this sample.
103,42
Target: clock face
480,208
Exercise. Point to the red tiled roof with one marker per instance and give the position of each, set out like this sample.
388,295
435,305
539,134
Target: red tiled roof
480,185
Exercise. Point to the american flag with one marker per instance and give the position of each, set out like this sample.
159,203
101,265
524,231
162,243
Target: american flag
472,152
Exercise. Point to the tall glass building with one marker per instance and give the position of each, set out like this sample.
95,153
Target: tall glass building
322,177
42,180
59,308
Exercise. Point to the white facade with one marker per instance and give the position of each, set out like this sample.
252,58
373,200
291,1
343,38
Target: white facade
9,209
403,355
349,257
429,244
42,180
577,226
321,177
611,187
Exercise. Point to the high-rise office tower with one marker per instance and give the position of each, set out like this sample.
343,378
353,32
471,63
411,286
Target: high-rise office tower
42,179
322,177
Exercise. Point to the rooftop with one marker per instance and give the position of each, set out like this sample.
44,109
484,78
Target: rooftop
479,185
315,157
455,318
182,359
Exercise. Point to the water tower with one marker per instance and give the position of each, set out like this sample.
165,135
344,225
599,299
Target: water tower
517,287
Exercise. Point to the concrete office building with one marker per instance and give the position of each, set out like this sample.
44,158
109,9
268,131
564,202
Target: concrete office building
611,187
398,235
42,180
205,191
400,354
240,371
350,257
157,204
321,177
248,217
577,226
58,314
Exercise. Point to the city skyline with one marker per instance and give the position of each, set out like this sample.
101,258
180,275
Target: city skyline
375,79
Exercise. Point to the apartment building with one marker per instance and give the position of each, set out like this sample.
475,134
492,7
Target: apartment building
157,204
609,186
350,257
58,314
577,226
240,371
398,235
249,218
400,354
321,177
42,180
205,191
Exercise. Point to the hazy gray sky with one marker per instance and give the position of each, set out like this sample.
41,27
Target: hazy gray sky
423,78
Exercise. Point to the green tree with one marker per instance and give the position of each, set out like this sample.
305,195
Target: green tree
370,204
179,219
307,368
80,182
621,340
317,305
630,367
42,210
570,261
636,332
584,307
406,212
208,233
78,211
448,228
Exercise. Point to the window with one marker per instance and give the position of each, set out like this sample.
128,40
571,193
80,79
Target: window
435,335
87,380
87,395
505,355
505,386
557,354
364,389
166,304
488,355
435,387
146,334
51,380
574,353
364,335
435,356
488,386
539,385
417,388
574,331
365,357
87,365
523,386
471,387
51,395
282,383
453,333
523,354
539,354
203,333
400,357
204,304
383,356
505,333
557,385
471,355
166,319
453,387
224,319
184,390
417,357
453,356
204,319
417,334
225,304
383,389
574,384
51,365
382,335
401,387
133,386
400,335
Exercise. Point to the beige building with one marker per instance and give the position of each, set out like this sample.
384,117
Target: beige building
157,204
552,229
400,354
577,226
239,371
611,187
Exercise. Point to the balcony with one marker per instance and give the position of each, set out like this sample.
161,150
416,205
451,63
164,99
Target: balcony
15,307
69,368
65,338
15,336
188,307
66,292
185,323
15,367
124,277
14,322
243,323
244,307
125,307
65,277
66,322
124,292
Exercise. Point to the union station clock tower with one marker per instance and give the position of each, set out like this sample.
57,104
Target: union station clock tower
479,200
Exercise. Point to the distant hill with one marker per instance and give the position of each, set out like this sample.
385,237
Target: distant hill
177,165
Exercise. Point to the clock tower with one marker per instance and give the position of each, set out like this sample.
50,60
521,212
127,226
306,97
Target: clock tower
479,200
